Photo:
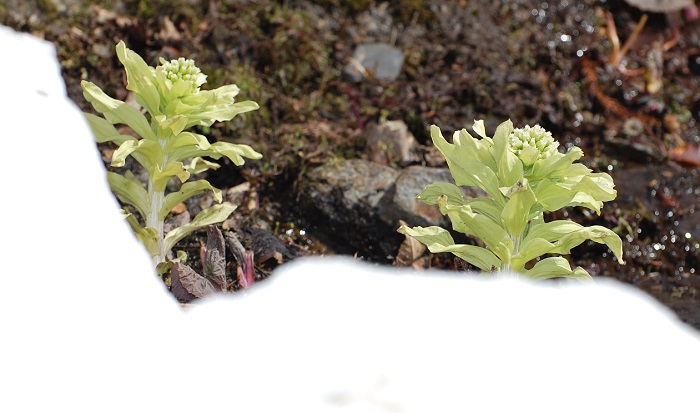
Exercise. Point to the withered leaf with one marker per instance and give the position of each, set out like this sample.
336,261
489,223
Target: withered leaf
179,208
268,249
236,247
410,250
187,285
214,266
688,154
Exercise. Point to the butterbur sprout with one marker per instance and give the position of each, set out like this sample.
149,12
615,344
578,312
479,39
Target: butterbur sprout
173,101
525,176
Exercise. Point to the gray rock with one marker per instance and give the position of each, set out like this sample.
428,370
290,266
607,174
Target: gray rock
391,143
342,202
401,202
376,60
355,206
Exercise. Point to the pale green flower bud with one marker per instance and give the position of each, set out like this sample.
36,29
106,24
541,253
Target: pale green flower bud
531,144
184,69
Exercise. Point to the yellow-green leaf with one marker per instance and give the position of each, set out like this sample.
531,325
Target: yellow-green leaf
140,79
556,267
212,215
130,192
187,190
116,111
439,240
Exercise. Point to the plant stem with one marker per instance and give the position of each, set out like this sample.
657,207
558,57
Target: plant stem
157,199
516,249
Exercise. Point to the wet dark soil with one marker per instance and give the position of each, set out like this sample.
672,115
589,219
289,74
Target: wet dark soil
546,62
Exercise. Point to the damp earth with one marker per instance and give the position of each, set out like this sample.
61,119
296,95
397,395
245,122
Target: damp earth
634,111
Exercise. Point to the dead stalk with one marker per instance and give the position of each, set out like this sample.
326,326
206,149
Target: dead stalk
618,53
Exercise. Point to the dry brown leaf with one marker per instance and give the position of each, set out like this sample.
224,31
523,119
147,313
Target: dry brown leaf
179,208
688,154
168,31
410,250
187,285
214,267
421,263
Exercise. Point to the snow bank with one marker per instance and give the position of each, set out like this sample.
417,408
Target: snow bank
87,327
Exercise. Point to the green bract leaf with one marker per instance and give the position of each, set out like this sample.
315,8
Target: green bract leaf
516,213
600,186
550,166
235,152
148,236
560,237
187,190
130,192
432,192
117,111
465,166
466,221
162,177
190,140
481,148
170,126
595,233
439,240
530,250
510,168
105,131
199,165
555,267
140,79
552,231
486,207
220,113
479,128
212,215
149,153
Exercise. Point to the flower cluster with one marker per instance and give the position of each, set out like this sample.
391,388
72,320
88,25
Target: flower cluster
185,70
532,143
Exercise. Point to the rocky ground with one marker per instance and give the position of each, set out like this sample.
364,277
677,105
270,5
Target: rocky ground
345,138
